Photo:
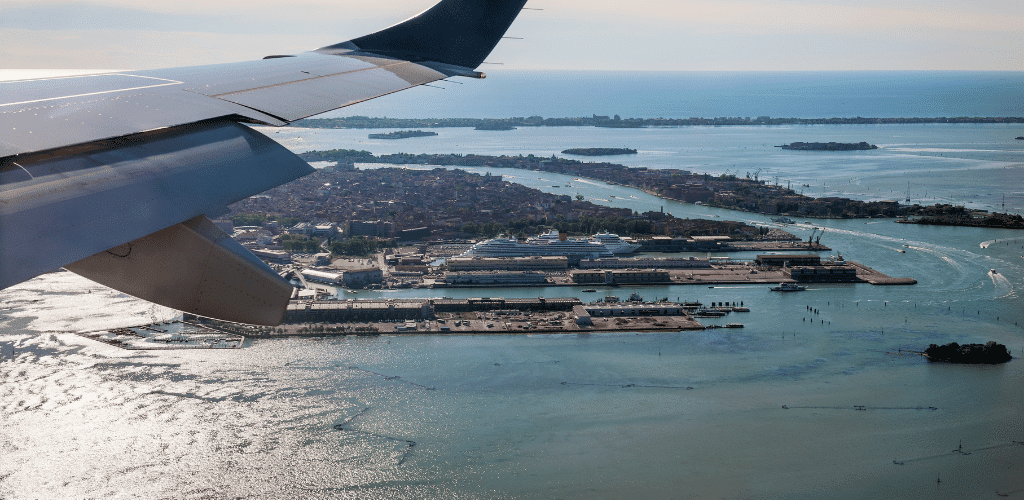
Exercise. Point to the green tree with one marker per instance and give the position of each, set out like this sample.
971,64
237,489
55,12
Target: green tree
358,246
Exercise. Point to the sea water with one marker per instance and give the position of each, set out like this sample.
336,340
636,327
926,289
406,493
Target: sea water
815,397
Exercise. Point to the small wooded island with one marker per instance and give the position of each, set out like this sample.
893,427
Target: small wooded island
956,215
499,126
988,353
403,134
828,146
599,151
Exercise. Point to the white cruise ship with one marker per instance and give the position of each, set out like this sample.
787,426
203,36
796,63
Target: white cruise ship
612,242
544,245
615,244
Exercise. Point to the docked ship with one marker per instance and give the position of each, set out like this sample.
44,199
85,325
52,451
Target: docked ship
615,244
549,244
612,242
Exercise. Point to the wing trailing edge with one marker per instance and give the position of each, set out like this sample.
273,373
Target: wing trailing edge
113,175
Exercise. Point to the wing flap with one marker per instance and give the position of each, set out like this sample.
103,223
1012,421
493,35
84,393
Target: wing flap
62,209
193,267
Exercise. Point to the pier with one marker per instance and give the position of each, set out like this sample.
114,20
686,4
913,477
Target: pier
316,318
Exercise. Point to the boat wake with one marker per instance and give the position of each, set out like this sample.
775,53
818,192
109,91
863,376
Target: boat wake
986,244
1003,288
592,183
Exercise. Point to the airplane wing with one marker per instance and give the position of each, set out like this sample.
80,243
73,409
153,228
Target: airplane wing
114,176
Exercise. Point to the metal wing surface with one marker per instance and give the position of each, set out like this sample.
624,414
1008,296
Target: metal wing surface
115,175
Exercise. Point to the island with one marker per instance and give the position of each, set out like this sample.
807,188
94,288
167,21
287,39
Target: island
989,353
599,151
828,146
745,193
957,215
455,204
403,134
495,125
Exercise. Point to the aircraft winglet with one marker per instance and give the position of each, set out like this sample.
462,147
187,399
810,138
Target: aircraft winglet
456,32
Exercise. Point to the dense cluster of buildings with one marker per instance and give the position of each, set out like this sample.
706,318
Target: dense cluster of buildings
413,204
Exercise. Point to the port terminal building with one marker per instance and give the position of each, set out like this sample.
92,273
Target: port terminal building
620,277
646,263
536,263
342,311
786,260
501,304
356,277
828,273
510,278
272,256
808,268
585,312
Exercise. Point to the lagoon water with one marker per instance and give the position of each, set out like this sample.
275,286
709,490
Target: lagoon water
812,399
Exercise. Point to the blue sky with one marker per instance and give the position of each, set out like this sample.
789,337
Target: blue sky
788,35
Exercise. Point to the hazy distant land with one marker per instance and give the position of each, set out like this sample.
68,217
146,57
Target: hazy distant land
360,122
599,151
403,134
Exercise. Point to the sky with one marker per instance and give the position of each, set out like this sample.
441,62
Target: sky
637,35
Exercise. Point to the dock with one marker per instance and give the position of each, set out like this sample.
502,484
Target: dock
319,318
176,334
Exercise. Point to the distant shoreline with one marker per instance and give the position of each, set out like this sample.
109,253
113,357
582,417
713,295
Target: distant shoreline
364,122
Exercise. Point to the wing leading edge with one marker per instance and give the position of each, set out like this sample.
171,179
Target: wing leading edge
114,175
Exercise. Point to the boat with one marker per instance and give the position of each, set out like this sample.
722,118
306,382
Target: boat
741,309
783,220
787,287
550,244
993,271
588,290
614,243
734,325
